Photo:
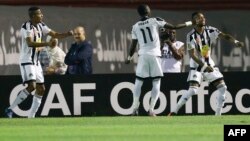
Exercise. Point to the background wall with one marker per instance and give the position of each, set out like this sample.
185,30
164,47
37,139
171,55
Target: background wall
109,31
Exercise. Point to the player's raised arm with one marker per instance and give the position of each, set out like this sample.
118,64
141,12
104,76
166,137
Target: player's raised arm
230,38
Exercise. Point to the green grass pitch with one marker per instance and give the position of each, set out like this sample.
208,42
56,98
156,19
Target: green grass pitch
119,128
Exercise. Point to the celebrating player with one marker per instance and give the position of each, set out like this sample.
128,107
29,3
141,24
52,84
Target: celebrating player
199,43
146,33
32,32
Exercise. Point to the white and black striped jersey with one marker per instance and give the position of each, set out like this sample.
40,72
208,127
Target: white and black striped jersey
146,31
29,55
202,43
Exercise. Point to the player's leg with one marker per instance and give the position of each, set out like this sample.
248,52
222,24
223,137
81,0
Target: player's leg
194,79
26,71
40,89
216,79
136,95
142,72
154,95
156,73
37,98
221,88
193,87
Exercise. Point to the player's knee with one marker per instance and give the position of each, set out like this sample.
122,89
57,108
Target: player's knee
222,94
31,87
40,89
193,90
222,87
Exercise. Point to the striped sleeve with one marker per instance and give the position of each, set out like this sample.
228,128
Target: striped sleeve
214,33
190,41
45,28
26,30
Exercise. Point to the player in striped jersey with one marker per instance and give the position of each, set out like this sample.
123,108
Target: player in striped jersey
146,33
199,43
32,32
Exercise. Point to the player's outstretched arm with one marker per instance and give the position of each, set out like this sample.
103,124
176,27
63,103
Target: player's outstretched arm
230,38
178,26
60,35
131,51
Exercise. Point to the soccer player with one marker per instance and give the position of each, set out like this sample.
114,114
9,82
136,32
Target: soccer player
146,33
32,32
172,52
199,43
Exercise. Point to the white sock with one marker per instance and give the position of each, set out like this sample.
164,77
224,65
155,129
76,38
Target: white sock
154,93
184,98
35,105
23,94
137,93
221,98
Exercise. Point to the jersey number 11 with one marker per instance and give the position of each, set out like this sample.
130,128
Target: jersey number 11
144,34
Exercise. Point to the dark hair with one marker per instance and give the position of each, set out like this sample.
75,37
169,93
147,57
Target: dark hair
143,10
194,14
32,10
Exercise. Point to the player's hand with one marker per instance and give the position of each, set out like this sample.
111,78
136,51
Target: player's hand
71,32
39,48
128,60
50,70
209,69
239,44
168,42
52,42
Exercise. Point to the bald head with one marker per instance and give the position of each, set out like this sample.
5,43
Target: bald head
79,34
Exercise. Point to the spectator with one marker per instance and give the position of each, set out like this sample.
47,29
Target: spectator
52,59
79,56
172,52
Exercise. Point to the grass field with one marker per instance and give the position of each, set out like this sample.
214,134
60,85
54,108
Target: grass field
162,128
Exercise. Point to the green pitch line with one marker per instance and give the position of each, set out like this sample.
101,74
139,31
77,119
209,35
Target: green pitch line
162,128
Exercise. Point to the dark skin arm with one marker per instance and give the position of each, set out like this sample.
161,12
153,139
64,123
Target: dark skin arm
231,39
60,35
177,53
198,61
31,43
132,50
221,36
52,34
178,26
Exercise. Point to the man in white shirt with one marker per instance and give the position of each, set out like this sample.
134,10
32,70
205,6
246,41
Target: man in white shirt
146,33
52,57
172,52
32,32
